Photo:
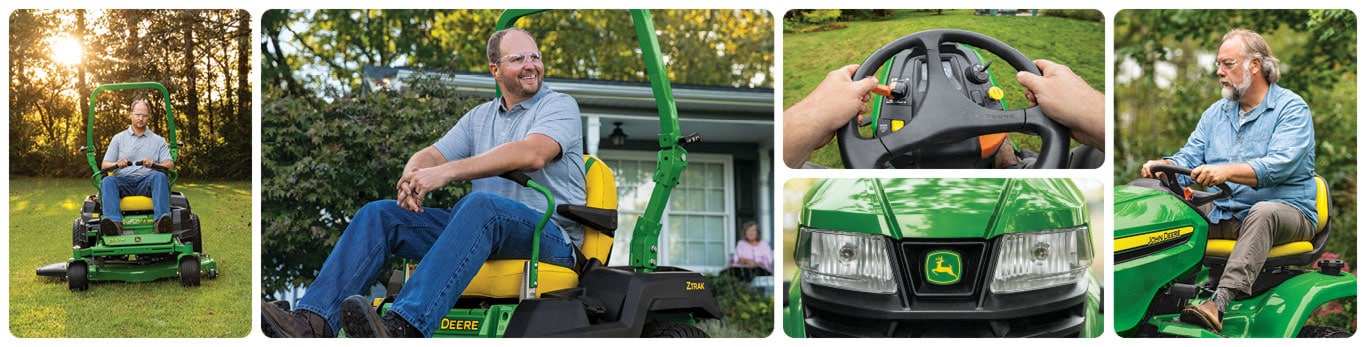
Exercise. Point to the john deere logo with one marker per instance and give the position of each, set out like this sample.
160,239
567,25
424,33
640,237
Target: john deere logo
943,267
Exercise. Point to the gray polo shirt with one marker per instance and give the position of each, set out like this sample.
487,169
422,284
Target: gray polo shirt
126,145
549,113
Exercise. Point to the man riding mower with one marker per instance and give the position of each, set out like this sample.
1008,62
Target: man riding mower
1165,262
154,239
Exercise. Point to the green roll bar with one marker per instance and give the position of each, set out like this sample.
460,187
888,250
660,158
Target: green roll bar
672,158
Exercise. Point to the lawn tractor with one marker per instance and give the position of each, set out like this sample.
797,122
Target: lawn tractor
943,258
138,253
529,298
1164,260
947,112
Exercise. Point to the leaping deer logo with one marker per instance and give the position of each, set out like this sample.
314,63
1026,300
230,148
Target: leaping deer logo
946,269
940,268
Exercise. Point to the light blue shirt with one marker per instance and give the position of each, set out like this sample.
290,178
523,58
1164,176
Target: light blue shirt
126,145
549,113
1276,139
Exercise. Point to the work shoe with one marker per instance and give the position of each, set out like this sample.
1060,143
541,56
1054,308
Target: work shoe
359,319
110,228
1205,315
281,322
165,225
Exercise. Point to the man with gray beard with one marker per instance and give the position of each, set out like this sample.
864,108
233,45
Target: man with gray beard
1260,140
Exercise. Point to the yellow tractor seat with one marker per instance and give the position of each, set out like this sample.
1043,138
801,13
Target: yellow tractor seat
502,278
1294,253
135,203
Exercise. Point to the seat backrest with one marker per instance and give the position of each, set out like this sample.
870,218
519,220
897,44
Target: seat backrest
601,189
1322,202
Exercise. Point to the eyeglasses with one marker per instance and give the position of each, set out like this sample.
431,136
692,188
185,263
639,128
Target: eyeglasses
1226,65
518,59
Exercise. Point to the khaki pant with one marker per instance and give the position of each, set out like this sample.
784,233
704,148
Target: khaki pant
1267,224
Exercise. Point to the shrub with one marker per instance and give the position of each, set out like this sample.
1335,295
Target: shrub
1086,15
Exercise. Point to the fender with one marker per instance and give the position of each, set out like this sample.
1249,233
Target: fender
1282,311
625,301
1279,312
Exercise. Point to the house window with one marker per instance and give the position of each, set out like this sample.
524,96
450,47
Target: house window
700,216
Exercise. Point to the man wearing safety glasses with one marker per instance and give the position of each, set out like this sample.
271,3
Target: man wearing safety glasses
530,128
1260,140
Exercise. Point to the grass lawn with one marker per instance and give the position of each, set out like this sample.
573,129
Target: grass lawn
1075,43
41,212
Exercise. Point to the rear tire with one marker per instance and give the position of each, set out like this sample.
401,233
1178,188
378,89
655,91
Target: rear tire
189,271
79,237
1323,331
672,330
77,276
194,237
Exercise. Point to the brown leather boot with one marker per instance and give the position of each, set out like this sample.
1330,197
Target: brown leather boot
110,228
1205,315
164,225
359,319
296,323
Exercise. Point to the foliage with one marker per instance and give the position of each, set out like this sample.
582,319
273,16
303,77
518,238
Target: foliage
326,48
1339,313
1086,15
322,161
866,14
201,56
820,16
745,310
1165,79
41,213
808,57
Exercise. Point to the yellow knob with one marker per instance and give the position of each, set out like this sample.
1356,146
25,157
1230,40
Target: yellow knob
996,93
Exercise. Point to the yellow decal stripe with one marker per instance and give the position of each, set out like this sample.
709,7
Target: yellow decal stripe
1152,238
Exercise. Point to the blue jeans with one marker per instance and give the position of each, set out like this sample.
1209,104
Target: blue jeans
453,243
155,185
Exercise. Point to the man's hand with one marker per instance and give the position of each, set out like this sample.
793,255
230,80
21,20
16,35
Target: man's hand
146,162
1147,171
122,163
1068,100
812,122
416,183
1213,175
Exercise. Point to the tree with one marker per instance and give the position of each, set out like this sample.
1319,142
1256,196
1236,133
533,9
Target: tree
201,57
707,47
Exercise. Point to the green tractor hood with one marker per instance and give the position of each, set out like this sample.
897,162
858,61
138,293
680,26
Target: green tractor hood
943,207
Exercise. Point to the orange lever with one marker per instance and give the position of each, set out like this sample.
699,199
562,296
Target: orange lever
884,91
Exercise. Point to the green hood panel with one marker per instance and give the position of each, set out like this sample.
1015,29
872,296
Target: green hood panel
943,207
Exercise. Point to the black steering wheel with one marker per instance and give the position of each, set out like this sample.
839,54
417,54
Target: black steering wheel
946,115
1168,180
153,166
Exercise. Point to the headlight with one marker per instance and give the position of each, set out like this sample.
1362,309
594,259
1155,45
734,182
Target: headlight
1042,259
852,261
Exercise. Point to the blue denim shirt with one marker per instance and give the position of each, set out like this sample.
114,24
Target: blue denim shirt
1276,139
549,113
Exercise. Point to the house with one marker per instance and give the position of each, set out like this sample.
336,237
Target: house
729,178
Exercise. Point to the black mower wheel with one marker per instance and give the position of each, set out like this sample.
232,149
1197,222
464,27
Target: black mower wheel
79,237
189,271
1323,331
193,236
672,330
77,276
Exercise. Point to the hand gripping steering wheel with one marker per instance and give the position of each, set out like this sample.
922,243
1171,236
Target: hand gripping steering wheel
1168,180
946,115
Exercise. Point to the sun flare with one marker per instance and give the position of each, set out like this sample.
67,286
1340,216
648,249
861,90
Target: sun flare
66,50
